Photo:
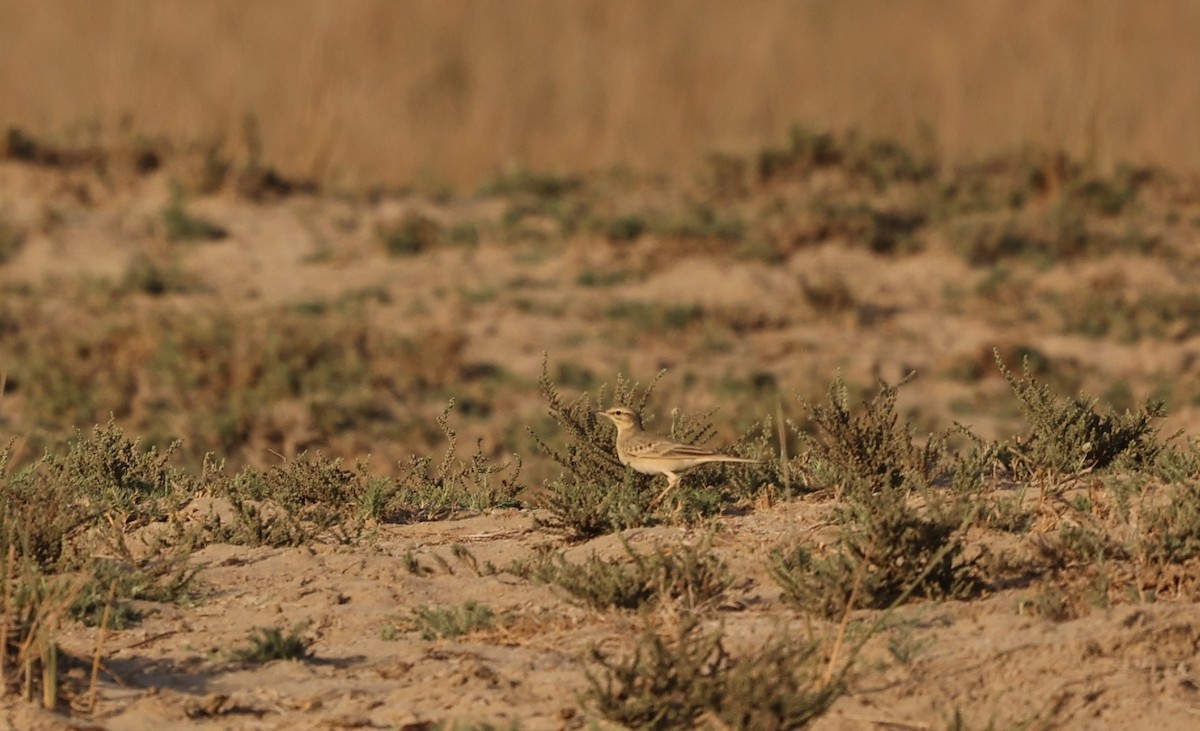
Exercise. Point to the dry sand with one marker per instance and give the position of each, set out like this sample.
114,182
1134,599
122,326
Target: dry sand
1130,667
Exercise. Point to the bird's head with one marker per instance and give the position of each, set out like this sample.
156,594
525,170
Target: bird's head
623,416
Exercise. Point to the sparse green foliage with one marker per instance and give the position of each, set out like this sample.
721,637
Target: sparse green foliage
183,226
625,228
887,551
1069,436
11,239
655,317
689,574
880,162
670,682
412,235
51,505
778,686
423,493
289,504
150,277
518,181
871,450
583,510
267,644
667,683
1172,531
443,622
116,584
58,516
597,494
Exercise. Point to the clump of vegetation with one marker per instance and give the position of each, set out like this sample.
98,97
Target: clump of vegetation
888,549
442,622
148,276
258,180
670,682
702,221
268,644
57,516
1172,531
184,226
1069,436
412,235
11,239
57,504
870,450
597,494
625,228
690,574
423,493
888,552
310,497
517,181
655,317
877,161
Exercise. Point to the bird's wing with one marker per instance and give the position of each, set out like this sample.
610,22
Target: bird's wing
667,448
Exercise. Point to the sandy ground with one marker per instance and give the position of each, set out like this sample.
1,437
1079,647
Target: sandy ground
1131,666
1127,667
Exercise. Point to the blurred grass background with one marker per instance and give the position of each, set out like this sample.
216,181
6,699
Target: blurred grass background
448,91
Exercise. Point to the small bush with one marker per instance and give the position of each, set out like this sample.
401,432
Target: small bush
11,240
272,644
886,553
423,493
1172,532
581,510
872,449
597,494
183,226
671,682
625,228
518,181
413,235
57,515
147,276
1069,436
442,622
287,505
689,574
52,505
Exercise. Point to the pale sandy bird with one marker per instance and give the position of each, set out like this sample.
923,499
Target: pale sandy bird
651,454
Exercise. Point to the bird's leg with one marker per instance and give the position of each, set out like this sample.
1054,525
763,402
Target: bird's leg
672,481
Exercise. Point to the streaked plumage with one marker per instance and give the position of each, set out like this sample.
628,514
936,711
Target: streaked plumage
651,454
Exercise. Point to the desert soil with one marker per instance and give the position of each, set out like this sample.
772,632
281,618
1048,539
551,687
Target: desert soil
1129,666
988,660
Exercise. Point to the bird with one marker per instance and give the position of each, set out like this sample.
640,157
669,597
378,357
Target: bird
651,454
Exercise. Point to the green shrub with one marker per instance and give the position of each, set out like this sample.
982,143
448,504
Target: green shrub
690,574
267,644
183,226
442,622
886,553
414,234
671,682
596,494
871,450
1069,436
423,493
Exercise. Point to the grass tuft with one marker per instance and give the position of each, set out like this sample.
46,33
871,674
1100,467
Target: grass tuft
268,644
